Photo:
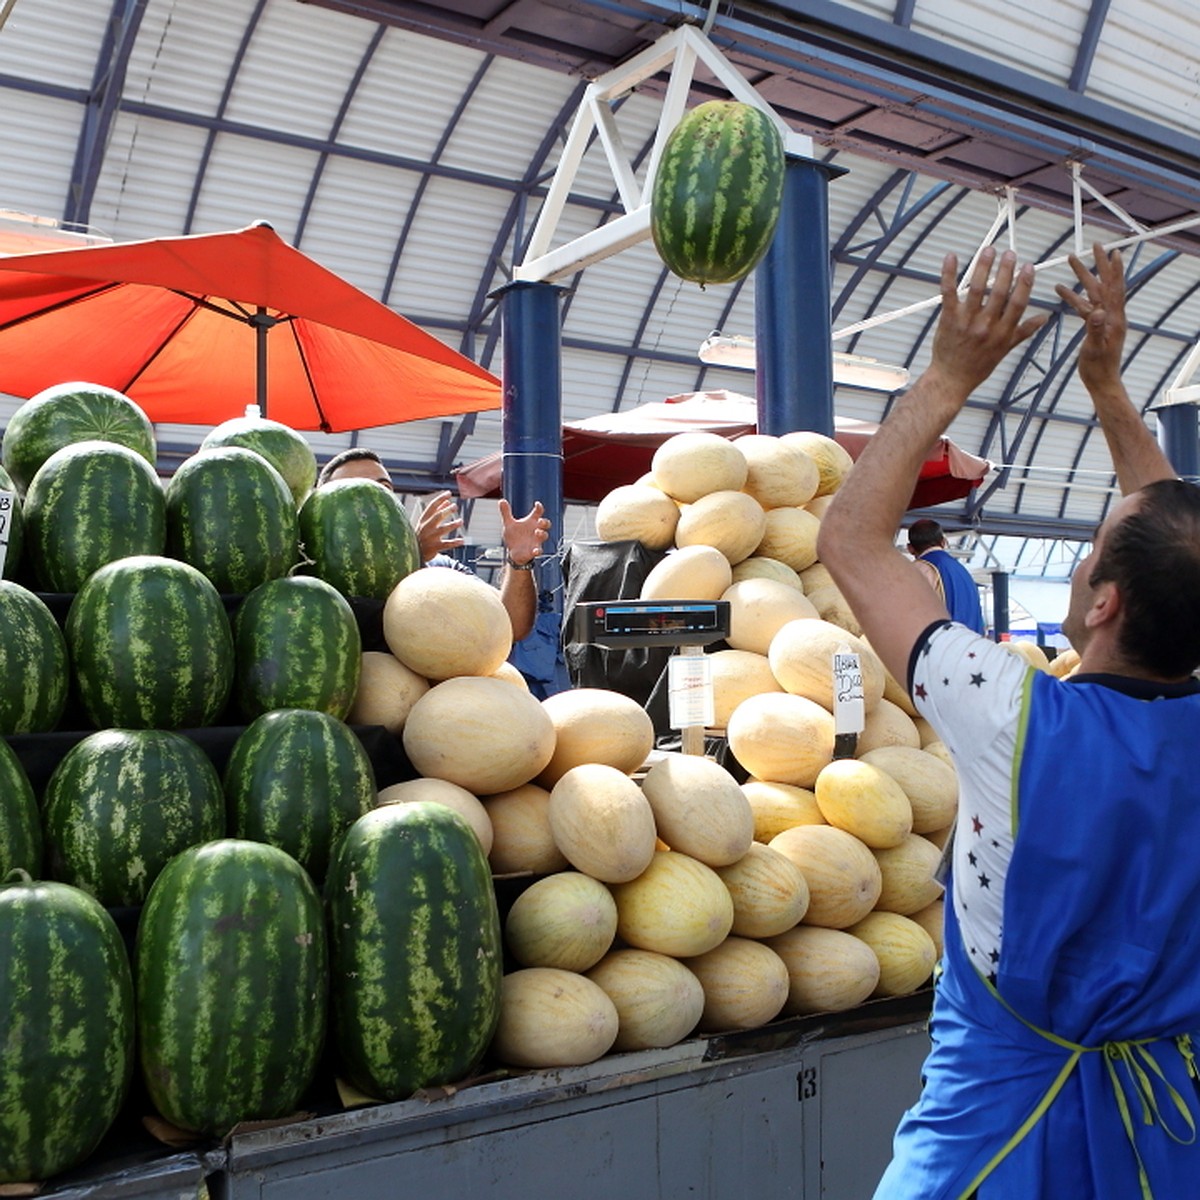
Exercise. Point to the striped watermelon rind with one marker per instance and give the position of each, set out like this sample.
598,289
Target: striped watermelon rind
33,663
298,779
298,645
66,1028
232,986
72,412
358,537
230,515
150,645
21,840
89,504
286,450
121,803
718,192
415,950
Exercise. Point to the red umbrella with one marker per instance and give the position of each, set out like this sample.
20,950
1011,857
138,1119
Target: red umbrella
601,452
195,328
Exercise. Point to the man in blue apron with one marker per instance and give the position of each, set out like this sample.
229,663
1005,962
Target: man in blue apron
1061,1066
946,575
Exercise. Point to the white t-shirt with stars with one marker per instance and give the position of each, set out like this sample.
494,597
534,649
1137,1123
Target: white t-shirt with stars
971,691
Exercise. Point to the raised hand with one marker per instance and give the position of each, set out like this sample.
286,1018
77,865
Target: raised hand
523,536
1101,304
438,526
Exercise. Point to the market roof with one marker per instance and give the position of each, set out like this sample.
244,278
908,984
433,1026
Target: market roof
408,145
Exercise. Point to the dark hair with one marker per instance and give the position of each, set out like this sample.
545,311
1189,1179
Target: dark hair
923,534
1153,557
354,454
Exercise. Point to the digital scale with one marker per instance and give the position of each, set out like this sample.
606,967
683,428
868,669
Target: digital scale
688,624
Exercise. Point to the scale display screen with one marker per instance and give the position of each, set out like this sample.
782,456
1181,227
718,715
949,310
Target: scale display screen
660,623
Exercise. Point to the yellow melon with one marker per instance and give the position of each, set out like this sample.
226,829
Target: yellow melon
634,512
828,970
816,576
465,803
677,906
699,808
387,690
507,673
864,800
779,806
819,506
521,837
930,784
442,623
552,1018
905,951
595,725
907,870
736,676
658,1000
779,475
887,724
1064,663
745,985
1029,651
801,657
690,573
898,695
939,837
483,734
758,566
732,522
927,732
844,880
689,466
769,892
833,462
790,535
602,823
759,608
941,752
565,920
931,918
781,738
833,607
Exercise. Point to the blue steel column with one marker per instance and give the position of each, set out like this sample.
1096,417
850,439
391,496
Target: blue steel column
531,430
1179,436
999,604
792,324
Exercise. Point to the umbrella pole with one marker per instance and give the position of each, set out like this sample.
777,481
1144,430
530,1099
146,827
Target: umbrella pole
261,322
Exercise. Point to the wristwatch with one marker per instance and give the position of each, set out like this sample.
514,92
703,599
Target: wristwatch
516,566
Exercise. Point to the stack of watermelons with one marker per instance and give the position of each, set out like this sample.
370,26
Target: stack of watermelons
139,623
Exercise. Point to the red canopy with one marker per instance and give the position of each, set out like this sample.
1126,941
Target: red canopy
602,452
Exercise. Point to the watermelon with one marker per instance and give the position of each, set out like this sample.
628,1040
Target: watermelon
33,662
298,646
20,821
150,645
12,525
232,985
718,191
121,803
88,504
358,537
415,951
72,412
230,514
285,449
298,779
66,1027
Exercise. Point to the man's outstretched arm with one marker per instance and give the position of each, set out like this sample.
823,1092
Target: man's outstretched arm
892,601
1137,457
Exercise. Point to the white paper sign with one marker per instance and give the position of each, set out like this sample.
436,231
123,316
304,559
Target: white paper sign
7,502
849,713
690,691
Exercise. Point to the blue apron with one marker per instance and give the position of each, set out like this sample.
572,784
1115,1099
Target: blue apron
962,596
1070,1075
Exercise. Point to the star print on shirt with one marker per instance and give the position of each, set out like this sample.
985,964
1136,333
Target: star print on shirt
945,683
985,882
976,825
978,680
920,691
994,956
971,858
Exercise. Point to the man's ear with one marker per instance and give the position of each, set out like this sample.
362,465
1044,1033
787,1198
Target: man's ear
1106,605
